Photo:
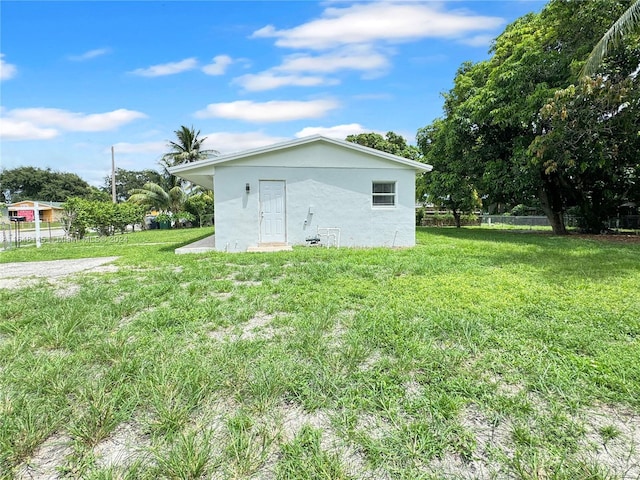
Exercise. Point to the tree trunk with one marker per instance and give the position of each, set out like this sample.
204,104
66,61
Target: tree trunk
456,217
551,206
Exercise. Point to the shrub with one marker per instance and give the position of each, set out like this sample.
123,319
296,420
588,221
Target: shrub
105,217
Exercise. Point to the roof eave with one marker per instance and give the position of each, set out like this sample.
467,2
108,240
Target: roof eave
177,170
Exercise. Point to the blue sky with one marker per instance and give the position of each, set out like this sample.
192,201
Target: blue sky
78,77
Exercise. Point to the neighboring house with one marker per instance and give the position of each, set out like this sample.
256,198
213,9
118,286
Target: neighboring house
294,192
49,211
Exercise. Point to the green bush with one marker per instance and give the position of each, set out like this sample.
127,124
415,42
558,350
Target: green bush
447,220
105,217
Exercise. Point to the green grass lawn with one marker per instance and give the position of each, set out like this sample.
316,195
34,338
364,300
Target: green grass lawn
477,354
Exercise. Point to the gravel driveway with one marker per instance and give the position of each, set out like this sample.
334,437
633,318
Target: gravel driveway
14,275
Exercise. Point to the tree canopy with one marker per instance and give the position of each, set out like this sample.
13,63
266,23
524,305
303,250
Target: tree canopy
31,183
390,143
448,185
518,129
127,180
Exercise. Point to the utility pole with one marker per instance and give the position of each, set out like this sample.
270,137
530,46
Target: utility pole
113,176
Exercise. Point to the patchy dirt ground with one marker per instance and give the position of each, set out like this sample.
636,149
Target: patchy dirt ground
611,434
21,274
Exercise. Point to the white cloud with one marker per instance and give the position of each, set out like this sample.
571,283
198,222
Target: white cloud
294,70
354,58
21,130
98,52
46,123
223,142
76,122
231,142
273,111
365,23
7,70
337,131
218,66
171,68
269,80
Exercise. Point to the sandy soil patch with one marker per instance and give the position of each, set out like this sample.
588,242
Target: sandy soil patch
23,274
123,447
47,459
613,440
65,289
294,417
257,328
490,437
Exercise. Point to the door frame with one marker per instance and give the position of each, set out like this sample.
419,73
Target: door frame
284,208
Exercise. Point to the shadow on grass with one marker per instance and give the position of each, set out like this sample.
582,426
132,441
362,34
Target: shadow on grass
555,256
171,248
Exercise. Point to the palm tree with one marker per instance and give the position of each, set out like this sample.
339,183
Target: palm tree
626,24
155,197
187,149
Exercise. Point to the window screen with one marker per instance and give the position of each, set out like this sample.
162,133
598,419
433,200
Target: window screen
383,193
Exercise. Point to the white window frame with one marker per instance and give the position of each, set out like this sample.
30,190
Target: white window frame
393,194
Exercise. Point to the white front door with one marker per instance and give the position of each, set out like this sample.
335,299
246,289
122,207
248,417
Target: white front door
272,212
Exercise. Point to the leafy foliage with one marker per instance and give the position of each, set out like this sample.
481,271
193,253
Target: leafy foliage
105,217
590,144
449,185
500,133
31,183
200,205
154,197
187,149
172,203
390,143
127,180
626,24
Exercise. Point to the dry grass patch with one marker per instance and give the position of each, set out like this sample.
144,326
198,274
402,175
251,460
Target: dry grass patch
420,363
48,459
295,419
65,289
126,444
256,328
612,439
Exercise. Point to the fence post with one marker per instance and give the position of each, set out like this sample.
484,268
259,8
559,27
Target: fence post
36,212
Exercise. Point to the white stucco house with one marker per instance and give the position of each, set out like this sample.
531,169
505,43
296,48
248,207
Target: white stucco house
295,192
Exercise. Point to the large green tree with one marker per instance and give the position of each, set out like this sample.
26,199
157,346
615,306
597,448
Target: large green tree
201,205
498,105
449,185
127,180
591,145
31,183
390,143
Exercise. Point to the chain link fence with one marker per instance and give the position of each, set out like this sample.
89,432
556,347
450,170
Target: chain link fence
623,222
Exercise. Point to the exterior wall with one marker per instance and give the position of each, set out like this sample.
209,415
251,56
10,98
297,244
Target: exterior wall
314,155
25,209
336,195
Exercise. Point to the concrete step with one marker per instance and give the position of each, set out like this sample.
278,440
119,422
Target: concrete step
204,245
270,247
